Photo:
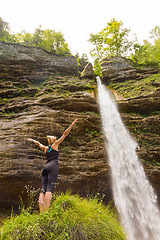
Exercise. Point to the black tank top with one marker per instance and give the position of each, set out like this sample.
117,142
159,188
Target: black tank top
52,154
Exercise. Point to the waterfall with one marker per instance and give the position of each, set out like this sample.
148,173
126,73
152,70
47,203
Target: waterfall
133,195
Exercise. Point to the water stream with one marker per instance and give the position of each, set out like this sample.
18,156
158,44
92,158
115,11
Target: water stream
133,195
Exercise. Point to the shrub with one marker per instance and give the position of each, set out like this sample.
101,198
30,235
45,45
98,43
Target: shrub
69,217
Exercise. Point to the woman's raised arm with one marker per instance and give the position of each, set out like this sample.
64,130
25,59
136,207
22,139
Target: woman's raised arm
41,146
66,132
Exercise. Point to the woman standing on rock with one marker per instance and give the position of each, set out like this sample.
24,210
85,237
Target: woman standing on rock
50,170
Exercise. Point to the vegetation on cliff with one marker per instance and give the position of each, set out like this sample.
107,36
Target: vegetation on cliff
144,125
113,41
69,217
37,97
47,39
135,88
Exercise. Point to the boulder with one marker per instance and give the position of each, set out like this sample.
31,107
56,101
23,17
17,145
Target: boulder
88,72
118,69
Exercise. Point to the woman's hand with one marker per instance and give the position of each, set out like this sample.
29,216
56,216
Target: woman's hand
75,121
41,146
29,139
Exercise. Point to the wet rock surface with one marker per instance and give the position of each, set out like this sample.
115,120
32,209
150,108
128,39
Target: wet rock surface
141,104
36,58
39,99
88,72
118,69
140,114
41,94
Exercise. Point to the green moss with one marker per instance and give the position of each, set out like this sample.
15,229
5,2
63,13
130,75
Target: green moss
69,217
135,88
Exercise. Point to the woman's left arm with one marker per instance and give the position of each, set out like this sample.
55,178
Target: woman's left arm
66,132
41,146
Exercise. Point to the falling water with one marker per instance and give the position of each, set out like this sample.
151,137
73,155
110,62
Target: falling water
133,194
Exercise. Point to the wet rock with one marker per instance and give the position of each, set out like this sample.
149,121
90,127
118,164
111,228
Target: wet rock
118,69
39,98
35,102
141,104
37,57
88,72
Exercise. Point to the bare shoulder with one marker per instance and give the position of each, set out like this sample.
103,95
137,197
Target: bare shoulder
54,146
60,140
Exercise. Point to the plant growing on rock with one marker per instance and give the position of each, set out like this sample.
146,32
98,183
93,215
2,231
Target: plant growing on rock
70,217
110,41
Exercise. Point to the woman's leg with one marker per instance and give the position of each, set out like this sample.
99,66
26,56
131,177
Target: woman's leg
41,202
47,200
43,190
52,170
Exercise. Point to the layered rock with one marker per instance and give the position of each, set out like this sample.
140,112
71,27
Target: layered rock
140,114
88,72
118,69
36,58
39,98
141,104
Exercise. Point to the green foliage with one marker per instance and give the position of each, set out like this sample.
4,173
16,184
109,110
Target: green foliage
134,88
110,41
69,217
114,38
47,39
113,41
96,41
148,54
97,67
155,33
4,30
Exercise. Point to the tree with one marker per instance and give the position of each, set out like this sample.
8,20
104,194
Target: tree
4,30
96,40
81,61
47,39
148,54
36,38
54,42
110,41
155,33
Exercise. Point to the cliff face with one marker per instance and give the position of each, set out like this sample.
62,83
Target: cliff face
41,94
141,113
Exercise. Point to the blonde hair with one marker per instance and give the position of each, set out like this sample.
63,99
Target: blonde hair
51,139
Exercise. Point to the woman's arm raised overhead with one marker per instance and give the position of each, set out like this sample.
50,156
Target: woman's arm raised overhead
41,146
66,132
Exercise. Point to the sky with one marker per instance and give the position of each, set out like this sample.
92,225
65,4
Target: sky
77,19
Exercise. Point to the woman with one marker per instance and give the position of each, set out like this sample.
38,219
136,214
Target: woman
50,170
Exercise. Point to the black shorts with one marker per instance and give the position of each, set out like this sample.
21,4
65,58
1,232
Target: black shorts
49,176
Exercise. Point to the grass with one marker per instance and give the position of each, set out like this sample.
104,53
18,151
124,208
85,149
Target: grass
135,88
69,217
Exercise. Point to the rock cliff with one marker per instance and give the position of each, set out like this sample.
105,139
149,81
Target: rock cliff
41,94
140,113
118,69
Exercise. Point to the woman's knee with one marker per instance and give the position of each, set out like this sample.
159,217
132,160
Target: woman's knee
48,195
41,198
